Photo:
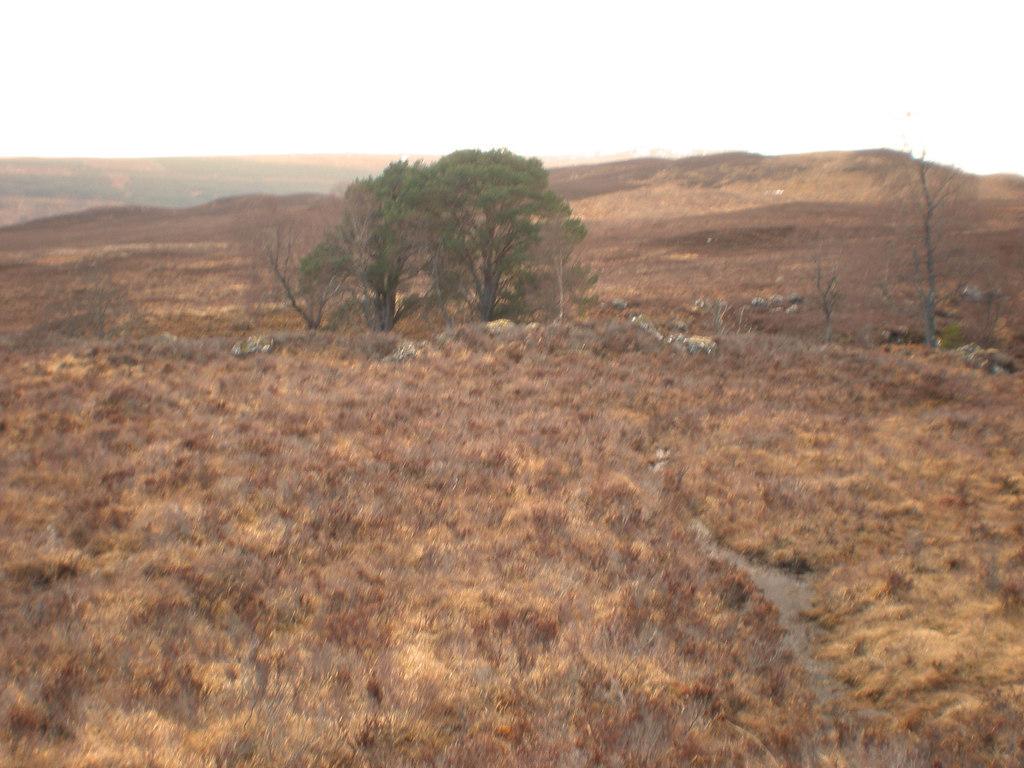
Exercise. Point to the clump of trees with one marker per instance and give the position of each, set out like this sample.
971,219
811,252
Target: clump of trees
476,235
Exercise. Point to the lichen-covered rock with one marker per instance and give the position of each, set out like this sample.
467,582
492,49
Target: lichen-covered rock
991,360
252,346
404,351
644,322
500,326
694,345
999,359
899,335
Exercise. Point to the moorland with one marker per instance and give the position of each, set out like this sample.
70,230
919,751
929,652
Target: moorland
32,188
524,544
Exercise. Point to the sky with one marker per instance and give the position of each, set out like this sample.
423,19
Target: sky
108,78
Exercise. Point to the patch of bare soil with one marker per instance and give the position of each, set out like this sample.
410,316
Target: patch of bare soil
792,595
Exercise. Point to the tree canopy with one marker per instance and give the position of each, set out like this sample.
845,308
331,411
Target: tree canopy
490,208
383,232
478,227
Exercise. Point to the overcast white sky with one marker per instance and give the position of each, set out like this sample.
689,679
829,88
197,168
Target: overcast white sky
113,78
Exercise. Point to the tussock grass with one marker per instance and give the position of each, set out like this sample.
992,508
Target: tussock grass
481,555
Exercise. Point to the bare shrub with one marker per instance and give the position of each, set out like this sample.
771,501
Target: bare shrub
92,303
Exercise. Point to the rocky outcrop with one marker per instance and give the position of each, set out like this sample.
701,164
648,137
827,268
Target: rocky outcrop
991,360
899,335
500,326
404,351
694,345
253,345
644,322
691,345
778,303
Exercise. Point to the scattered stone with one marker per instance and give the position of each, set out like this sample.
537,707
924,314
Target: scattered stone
776,301
990,360
252,346
999,359
646,324
974,293
658,461
404,351
499,326
899,335
694,345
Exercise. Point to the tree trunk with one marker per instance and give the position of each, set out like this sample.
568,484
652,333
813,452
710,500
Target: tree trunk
928,305
560,264
390,301
929,319
488,299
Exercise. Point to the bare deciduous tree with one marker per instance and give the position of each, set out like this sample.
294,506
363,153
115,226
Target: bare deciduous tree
92,302
559,281
986,302
718,311
827,286
931,208
283,241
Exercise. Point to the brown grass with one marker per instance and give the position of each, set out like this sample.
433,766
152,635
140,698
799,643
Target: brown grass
484,554
307,558
898,489
664,233
319,557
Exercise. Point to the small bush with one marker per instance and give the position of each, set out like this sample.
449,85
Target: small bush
952,336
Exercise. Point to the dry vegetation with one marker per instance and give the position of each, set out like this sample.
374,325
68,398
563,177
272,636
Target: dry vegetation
664,233
487,553
317,558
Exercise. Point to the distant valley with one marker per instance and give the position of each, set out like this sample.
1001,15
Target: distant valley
32,188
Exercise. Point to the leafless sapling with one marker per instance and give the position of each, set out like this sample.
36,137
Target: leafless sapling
309,274
827,285
933,201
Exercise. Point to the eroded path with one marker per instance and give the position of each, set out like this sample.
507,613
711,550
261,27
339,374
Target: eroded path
792,595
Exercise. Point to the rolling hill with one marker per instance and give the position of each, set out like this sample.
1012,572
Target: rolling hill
663,234
33,188
536,544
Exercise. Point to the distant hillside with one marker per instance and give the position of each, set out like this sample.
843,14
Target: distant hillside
222,220
662,234
35,188
32,188
838,177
